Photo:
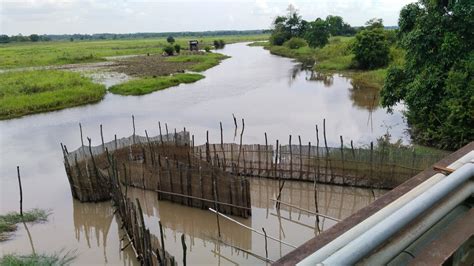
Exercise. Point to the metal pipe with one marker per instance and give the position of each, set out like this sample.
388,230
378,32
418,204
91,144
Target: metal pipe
368,241
397,245
366,224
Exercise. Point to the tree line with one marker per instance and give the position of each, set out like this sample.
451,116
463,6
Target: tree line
370,48
112,36
435,82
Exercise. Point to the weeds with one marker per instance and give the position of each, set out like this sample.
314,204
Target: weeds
8,221
28,92
148,85
59,258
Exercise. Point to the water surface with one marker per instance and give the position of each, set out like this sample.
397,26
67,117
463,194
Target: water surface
272,93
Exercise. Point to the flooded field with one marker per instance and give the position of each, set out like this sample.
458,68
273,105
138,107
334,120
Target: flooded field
272,93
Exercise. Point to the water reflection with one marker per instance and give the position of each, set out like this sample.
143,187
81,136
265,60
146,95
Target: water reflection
92,223
364,96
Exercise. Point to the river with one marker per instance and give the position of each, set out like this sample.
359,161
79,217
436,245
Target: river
273,94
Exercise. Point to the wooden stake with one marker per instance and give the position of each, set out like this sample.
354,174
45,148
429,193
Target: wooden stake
80,129
21,191
183,243
102,137
266,246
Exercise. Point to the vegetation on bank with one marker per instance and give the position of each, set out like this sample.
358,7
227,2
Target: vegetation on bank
38,259
147,85
8,221
15,55
28,92
200,62
437,81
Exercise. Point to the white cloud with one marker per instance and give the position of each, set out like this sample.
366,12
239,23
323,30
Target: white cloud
90,16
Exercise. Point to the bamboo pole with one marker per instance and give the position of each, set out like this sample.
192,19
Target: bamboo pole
308,211
80,129
266,244
21,191
250,228
183,243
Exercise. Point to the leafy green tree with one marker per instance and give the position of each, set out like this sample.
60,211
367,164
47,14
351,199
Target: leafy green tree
337,26
375,23
170,39
4,38
317,34
371,49
436,83
34,37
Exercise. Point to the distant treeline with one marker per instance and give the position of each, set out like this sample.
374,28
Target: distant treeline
123,36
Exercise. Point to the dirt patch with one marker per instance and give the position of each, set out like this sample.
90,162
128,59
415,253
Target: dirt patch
153,65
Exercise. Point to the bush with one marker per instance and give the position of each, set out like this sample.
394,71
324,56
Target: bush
207,49
177,48
371,49
317,33
219,44
169,50
295,43
170,39
278,38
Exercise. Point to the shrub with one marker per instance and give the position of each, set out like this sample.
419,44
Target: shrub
169,50
317,33
170,39
207,49
371,49
219,44
295,43
177,48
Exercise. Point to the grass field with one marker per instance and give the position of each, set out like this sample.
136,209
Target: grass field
147,85
337,56
28,92
200,62
15,55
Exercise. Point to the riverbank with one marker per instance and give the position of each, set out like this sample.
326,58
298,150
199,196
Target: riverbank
16,55
149,85
337,56
30,92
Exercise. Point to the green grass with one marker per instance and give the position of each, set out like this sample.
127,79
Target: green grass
202,62
258,43
38,259
15,55
8,221
148,85
28,92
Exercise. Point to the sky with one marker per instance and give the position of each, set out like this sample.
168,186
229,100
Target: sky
128,16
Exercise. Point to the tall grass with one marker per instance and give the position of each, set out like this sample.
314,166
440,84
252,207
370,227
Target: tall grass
148,85
8,221
60,258
28,92
202,61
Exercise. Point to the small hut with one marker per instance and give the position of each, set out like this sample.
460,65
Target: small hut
193,45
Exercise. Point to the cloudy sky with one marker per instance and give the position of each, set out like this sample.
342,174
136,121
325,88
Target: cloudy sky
125,16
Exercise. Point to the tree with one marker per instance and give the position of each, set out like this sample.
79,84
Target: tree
34,37
170,39
169,50
337,26
375,23
371,49
4,38
436,82
317,34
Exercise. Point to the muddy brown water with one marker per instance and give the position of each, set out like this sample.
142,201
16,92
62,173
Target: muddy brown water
272,93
